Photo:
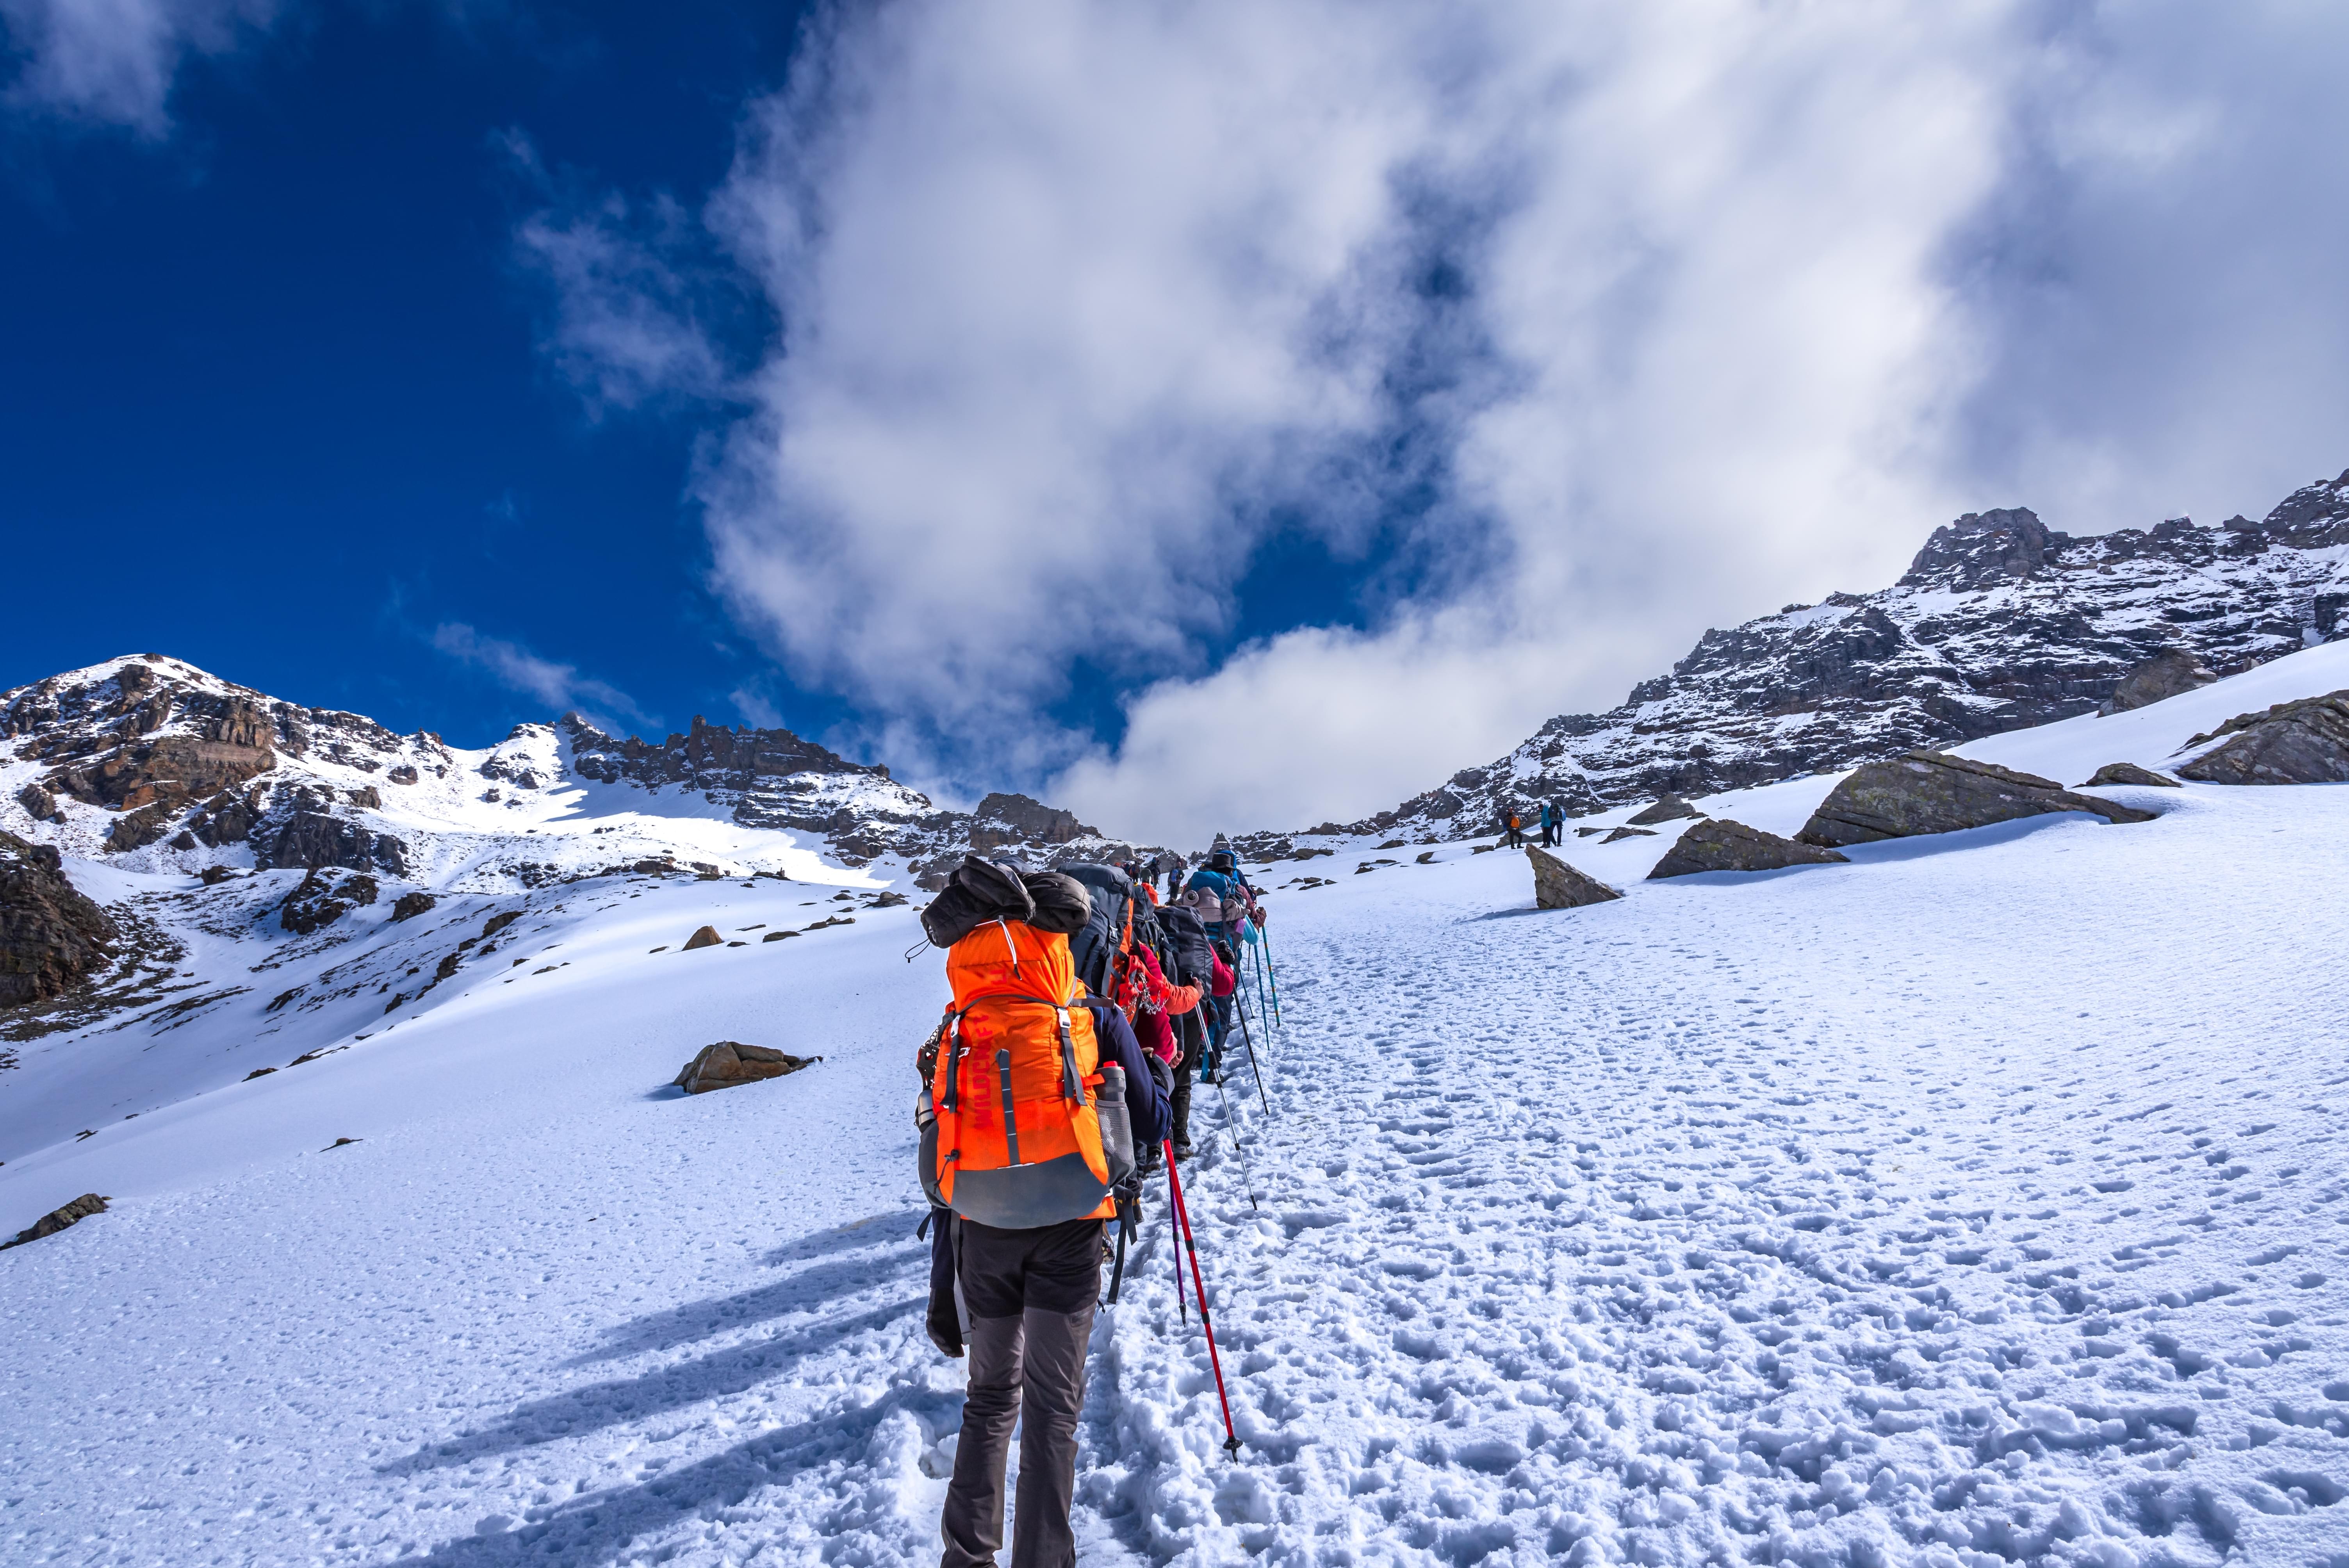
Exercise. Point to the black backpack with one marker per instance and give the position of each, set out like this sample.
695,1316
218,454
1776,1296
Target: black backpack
1188,939
1097,946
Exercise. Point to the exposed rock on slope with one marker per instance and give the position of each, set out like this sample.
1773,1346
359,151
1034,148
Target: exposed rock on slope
58,1219
2130,773
730,1062
2304,742
51,936
1999,624
1933,792
2162,677
1557,885
1725,846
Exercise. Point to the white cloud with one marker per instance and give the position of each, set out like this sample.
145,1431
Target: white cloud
112,62
626,289
1599,323
560,686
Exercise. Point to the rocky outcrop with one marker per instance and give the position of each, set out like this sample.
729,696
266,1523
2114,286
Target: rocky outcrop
38,803
1722,845
1933,792
730,1062
51,936
59,1219
225,741
138,828
308,840
2303,742
226,819
2130,773
1015,818
2164,675
319,900
1671,809
774,779
2000,623
1557,885
408,905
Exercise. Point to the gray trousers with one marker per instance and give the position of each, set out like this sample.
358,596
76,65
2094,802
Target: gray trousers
1027,1366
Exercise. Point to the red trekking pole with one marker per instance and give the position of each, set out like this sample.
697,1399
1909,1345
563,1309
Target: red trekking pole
1183,1217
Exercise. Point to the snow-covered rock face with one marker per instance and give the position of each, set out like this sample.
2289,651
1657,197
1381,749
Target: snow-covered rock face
157,767
2000,623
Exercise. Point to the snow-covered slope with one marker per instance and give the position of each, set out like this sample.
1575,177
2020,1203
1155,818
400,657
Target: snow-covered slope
1999,624
292,880
1979,1201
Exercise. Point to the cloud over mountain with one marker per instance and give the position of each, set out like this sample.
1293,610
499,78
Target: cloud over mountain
1560,331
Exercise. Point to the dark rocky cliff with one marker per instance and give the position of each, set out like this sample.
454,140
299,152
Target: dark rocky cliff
2000,622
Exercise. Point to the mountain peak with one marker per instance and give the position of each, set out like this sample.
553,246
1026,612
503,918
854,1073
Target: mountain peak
1983,548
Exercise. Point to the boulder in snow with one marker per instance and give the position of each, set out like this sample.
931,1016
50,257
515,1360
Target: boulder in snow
1557,885
2130,773
1722,845
58,1219
2167,674
705,937
38,803
2303,742
1671,809
1934,792
730,1062
50,934
1622,834
412,905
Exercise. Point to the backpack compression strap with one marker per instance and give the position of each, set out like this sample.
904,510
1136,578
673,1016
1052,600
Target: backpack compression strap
1071,1085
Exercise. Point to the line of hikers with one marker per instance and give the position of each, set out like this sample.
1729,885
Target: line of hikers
1060,1076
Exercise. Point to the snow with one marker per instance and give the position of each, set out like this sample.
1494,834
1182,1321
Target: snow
1979,1201
1809,615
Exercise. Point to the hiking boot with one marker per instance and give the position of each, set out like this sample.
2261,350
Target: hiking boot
1182,1150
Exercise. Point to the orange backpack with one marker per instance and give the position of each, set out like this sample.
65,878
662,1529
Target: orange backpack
1019,1142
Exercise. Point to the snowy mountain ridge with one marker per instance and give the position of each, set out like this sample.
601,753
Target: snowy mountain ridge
2000,623
158,765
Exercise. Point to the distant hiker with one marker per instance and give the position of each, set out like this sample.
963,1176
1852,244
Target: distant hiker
1553,822
1037,1097
1515,825
1195,967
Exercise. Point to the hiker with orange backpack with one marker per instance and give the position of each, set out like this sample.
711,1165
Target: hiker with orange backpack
1037,1099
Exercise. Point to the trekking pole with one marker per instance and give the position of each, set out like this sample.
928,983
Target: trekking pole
1172,1203
1249,1040
1191,1245
1264,933
1232,1124
1255,973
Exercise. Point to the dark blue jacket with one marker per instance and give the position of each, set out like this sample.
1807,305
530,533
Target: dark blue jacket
1146,1103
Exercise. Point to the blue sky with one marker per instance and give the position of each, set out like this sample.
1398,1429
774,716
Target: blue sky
1208,415
272,402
